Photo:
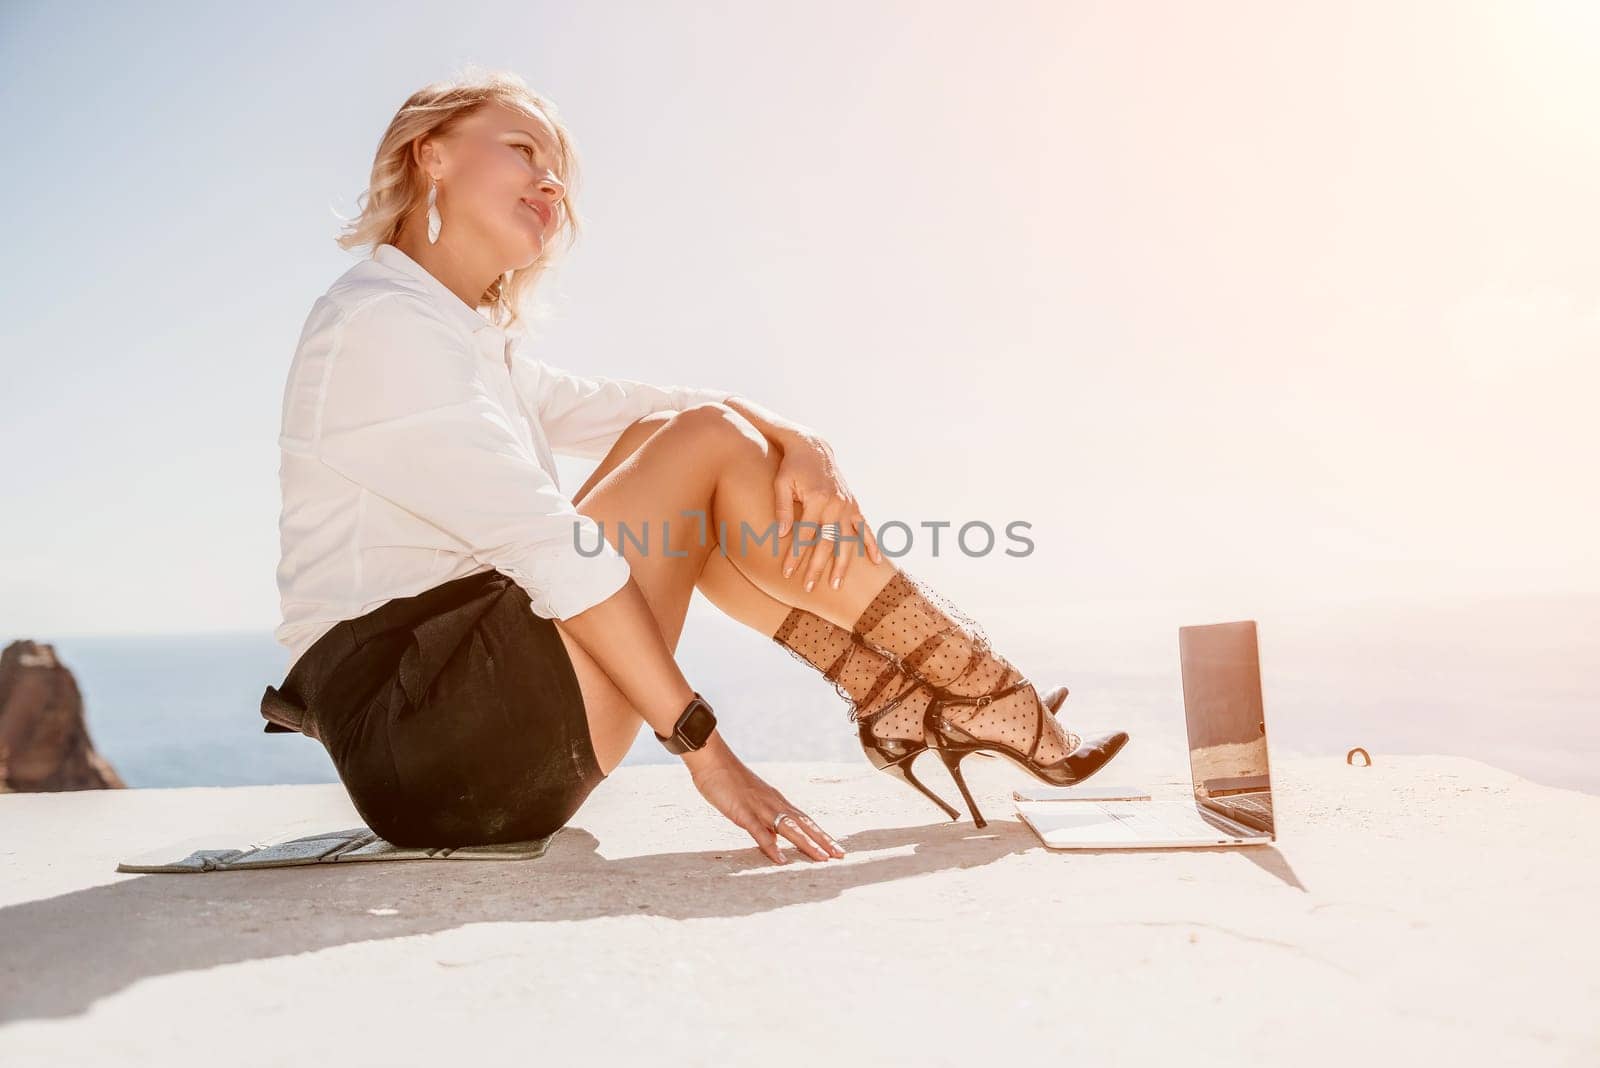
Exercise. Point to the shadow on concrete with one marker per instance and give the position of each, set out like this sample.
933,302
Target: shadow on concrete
64,953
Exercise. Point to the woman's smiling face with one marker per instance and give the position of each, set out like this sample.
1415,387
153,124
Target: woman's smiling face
500,182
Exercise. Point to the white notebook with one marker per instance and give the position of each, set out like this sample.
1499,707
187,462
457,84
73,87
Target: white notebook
1132,825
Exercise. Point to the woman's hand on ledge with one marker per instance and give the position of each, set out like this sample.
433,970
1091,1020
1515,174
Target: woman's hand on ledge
808,473
747,800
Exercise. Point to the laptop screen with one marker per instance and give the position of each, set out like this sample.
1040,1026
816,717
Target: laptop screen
1227,722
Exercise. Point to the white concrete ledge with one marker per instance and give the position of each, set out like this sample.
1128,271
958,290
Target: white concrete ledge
1424,908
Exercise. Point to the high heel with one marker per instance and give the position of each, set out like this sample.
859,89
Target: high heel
953,744
896,755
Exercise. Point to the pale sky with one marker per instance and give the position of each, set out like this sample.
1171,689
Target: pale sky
1239,303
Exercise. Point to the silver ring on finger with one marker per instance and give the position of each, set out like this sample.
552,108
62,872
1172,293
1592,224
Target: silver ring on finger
777,821
829,532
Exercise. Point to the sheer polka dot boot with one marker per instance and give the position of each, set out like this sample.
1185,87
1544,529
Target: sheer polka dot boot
979,701
887,705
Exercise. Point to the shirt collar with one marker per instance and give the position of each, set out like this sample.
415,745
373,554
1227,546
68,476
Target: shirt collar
491,338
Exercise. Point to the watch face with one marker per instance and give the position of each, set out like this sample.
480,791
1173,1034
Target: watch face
699,724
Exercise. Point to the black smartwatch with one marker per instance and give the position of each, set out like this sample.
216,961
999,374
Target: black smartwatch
693,728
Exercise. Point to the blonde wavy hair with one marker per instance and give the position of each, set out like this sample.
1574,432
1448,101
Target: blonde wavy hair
397,186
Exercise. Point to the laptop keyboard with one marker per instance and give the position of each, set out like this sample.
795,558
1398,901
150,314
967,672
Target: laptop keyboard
1259,804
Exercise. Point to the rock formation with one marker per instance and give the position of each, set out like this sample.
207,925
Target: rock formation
44,742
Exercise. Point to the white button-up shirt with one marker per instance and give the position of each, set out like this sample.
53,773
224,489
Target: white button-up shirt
416,448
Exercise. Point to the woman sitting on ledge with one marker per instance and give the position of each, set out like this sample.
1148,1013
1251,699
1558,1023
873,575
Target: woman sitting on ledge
471,645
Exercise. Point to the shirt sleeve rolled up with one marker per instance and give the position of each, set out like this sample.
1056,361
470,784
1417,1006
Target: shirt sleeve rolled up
408,415
585,415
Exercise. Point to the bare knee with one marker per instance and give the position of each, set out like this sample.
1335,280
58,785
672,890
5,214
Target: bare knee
649,424
716,429
636,434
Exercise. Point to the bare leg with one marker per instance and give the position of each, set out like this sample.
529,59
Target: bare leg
712,460
737,597
720,582
895,613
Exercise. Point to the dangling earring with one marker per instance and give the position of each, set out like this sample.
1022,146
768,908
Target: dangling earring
434,222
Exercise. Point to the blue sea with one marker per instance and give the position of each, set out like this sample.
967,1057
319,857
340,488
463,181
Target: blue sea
1513,681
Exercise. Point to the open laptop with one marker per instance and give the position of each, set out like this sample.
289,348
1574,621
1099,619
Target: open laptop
1227,761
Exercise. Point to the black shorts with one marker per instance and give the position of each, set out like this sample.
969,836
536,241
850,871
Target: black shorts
453,716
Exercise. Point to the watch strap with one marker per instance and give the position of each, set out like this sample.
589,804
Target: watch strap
680,741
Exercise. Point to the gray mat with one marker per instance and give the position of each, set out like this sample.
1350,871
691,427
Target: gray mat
355,845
